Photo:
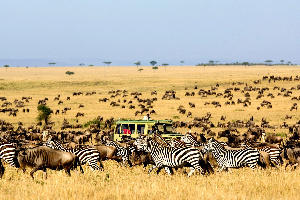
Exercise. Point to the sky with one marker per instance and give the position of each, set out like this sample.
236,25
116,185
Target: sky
69,32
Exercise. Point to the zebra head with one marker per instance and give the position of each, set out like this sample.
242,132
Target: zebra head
209,146
141,144
184,139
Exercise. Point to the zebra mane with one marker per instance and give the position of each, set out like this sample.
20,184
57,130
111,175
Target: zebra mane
219,144
160,140
191,134
177,142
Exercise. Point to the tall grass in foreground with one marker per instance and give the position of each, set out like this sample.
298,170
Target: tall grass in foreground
134,183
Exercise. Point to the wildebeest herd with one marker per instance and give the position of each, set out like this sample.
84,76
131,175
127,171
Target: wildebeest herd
41,147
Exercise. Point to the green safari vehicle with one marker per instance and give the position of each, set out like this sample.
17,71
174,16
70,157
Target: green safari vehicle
127,129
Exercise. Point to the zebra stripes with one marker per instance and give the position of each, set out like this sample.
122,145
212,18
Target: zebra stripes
159,139
274,153
231,158
177,143
121,151
8,154
190,140
170,157
88,155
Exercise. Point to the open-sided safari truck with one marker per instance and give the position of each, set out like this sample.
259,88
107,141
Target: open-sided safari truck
133,128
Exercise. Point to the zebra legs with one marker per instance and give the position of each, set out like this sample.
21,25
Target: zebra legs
253,166
169,170
277,162
222,168
192,171
153,167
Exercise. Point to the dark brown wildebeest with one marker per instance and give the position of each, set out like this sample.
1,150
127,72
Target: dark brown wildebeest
274,139
192,105
144,110
79,114
288,116
293,156
131,107
141,158
108,152
42,157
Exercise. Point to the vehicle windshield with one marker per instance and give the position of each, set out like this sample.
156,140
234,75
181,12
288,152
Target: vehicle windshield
165,128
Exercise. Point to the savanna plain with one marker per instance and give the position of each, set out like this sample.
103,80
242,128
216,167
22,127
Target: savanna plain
119,182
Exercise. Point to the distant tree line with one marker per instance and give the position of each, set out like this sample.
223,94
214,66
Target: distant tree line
267,62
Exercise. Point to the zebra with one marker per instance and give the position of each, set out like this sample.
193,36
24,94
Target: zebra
190,140
88,155
231,158
159,139
169,157
273,152
121,151
177,143
8,154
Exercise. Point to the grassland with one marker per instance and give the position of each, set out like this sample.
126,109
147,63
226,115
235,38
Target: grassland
134,183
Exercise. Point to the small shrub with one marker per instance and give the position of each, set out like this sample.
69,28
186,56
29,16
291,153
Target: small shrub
69,73
94,121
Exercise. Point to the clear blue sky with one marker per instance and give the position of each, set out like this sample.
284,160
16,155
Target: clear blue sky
127,31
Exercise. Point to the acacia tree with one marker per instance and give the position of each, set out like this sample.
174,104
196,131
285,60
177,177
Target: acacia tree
281,62
6,66
52,64
269,62
165,65
153,62
137,64
140,70
245,63
211,62
182,62
44,113
107,63
81,64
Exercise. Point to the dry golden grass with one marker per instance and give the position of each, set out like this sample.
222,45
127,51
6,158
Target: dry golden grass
134,183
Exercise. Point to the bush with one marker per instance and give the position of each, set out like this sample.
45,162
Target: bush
44,113
94,121
69,73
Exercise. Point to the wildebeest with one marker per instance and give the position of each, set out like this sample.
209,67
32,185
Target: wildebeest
274,139
107,152
42,157
293,156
